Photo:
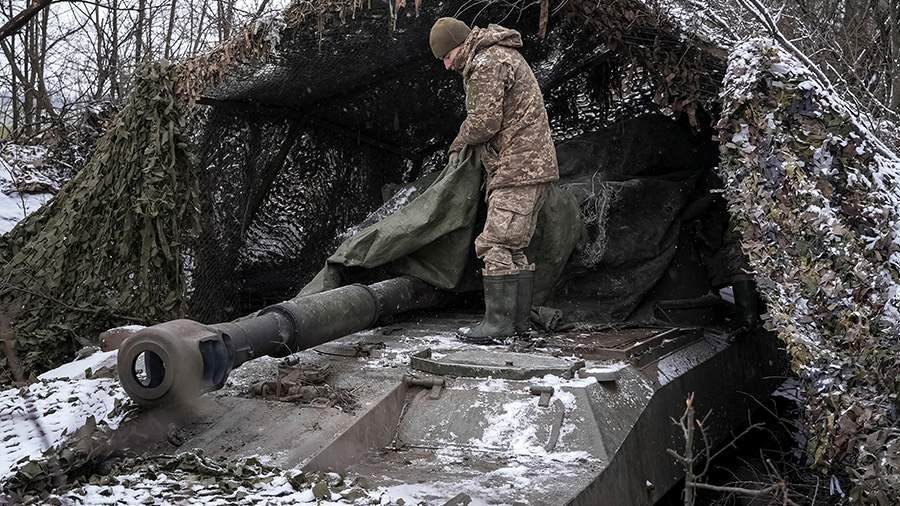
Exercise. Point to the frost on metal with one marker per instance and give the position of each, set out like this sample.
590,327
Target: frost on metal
814,195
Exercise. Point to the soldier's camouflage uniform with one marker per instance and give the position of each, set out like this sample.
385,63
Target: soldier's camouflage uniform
505,113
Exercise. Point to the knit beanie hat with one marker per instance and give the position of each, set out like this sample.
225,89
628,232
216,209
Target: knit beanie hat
446,35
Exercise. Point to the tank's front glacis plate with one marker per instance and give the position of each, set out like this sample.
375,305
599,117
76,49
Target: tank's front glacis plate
499,424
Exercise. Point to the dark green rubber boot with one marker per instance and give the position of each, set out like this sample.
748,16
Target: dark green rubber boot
524,296
500,294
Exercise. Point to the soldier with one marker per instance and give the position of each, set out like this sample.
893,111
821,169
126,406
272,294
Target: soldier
505,115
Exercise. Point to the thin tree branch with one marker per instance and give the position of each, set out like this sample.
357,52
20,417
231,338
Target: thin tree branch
778,488
15,23
762,14
24,16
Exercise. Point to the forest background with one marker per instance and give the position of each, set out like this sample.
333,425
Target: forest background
67,64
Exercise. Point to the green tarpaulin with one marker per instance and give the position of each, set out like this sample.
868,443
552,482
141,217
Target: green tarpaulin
430,237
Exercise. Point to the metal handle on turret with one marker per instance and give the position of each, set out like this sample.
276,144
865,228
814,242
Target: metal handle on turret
176,361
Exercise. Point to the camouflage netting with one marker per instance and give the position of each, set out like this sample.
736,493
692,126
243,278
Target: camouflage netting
213,211
115,245
815,197
685,69
296,151
193,478
107,249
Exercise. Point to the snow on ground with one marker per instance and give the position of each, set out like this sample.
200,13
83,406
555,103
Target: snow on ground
179,488
78,369
39,416
23,185
189,479
15,207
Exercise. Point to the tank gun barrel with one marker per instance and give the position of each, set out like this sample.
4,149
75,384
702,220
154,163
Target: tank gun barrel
183,358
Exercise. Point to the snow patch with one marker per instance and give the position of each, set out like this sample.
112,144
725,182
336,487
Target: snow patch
396,354
25,183
77,369
38,417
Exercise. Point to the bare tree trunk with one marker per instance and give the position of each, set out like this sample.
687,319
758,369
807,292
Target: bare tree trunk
168,50
224,11
114,91
200,27
14,91
190,19
220,15
104,55
46,101
260,10
28,104
893,25
16,22
98,53
14,81
139,32
229,18
149,24
26,75
38,100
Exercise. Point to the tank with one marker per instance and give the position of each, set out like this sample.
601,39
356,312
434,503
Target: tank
580,418
370,379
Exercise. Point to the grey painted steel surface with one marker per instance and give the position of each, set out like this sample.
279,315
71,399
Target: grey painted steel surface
183,359
493,364
593,442
600,437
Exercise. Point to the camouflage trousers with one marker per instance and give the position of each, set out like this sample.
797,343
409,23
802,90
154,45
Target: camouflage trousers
511,217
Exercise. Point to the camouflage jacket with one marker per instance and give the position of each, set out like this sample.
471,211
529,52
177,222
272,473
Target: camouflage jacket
504,110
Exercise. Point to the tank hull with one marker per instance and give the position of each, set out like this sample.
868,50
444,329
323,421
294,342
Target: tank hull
601,438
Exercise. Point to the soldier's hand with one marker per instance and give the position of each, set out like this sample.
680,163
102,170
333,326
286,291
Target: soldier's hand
454,157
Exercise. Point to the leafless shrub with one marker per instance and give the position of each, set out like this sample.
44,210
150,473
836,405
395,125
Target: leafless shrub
768,487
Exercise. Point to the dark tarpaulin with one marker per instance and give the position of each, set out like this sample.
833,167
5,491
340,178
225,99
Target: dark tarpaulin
634,182
430,233
297,148
605,239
